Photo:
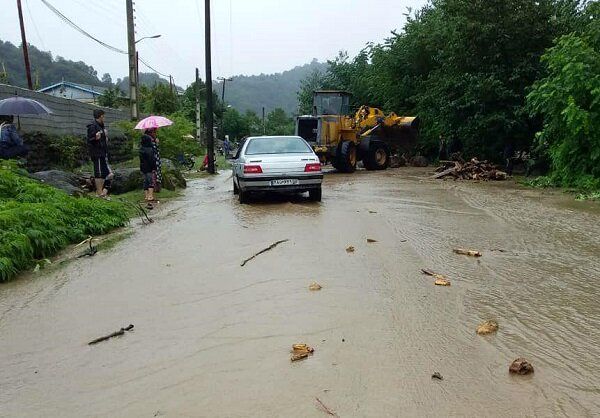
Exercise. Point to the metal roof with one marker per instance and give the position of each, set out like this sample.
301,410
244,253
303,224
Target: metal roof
96,90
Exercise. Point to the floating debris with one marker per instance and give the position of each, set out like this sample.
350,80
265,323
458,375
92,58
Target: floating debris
442,282
325,408
372,211
371,240
301,351
520,366
470,253
270,247
114,334
437,276
487,327
437,376
314,286
471,170
350,249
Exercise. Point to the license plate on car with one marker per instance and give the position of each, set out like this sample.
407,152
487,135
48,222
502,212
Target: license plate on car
285,182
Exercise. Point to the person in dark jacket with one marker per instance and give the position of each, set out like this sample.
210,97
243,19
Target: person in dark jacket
148,166
11,144
97,140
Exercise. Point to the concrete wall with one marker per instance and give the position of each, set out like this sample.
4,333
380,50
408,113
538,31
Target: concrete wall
70,117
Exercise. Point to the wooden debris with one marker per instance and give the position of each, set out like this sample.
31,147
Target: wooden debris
314,286
325,408
520,366
301,351
433,274
371,240
114,334
437,376
350,249
471,170
487,327
442,282
471,253
270,247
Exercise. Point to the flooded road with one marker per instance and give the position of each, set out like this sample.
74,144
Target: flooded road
212,339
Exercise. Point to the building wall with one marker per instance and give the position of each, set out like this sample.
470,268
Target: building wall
69,117
71,93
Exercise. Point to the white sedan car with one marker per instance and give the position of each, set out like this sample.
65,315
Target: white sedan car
285,164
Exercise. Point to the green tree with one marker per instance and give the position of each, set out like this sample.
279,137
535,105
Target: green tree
158,100
568,99
316,80
234,124
112,97
279,123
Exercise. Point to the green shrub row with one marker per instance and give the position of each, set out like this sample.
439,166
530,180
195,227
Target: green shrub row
37,220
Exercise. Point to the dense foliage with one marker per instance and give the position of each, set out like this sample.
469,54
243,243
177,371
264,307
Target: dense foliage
37,220
464,67
568,98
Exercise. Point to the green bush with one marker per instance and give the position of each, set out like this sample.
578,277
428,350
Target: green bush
173,139
37,220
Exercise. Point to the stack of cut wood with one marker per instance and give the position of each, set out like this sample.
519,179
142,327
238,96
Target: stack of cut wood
470,170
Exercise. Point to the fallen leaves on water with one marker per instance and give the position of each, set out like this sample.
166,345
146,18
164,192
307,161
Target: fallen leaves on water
350,249
440,279
487,327
315,286
470,253
301,351
437,376
442,282
521,366
371,240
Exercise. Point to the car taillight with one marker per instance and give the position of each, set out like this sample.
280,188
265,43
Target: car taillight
252,169
312,167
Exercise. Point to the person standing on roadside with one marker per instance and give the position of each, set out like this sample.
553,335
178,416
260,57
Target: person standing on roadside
97,140
158,170
11,144
147,167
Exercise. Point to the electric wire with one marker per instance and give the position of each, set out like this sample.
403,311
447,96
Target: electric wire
35,25
79,29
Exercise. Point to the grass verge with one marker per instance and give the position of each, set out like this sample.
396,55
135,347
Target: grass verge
36,220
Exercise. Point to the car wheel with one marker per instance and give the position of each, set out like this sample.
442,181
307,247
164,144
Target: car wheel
243,196
315,195
236,190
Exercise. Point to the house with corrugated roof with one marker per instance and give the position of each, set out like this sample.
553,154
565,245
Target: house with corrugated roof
81,92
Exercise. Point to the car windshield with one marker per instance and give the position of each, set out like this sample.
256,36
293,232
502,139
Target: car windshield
277,145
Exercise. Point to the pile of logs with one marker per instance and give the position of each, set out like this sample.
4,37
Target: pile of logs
470,170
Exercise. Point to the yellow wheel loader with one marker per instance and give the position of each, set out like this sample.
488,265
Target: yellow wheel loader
369,136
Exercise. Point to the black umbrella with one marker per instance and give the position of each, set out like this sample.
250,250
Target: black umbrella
22,106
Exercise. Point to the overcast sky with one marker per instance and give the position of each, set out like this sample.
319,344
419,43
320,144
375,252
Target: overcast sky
249,36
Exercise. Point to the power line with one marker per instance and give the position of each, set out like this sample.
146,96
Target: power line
150,67
80,30
34,25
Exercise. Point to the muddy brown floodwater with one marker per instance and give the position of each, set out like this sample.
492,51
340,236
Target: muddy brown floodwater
212,339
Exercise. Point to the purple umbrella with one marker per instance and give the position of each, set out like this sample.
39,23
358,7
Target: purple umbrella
22,106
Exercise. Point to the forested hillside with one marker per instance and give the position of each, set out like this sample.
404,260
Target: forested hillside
269,90
490,76
47,70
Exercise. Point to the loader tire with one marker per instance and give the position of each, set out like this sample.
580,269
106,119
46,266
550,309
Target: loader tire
378,156
346,157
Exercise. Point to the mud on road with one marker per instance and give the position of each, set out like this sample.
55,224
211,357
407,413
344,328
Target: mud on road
212,338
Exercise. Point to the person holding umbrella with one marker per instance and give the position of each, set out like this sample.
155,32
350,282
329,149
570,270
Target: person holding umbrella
98,149
11,144
150,126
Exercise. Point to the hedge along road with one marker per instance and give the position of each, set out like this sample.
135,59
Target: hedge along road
212,338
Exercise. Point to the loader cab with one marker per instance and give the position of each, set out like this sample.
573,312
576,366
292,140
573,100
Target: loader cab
331,102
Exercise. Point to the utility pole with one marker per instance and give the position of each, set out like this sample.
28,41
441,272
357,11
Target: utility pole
209,93
224,80
133,85
25,49
264,127
198,119
171,83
